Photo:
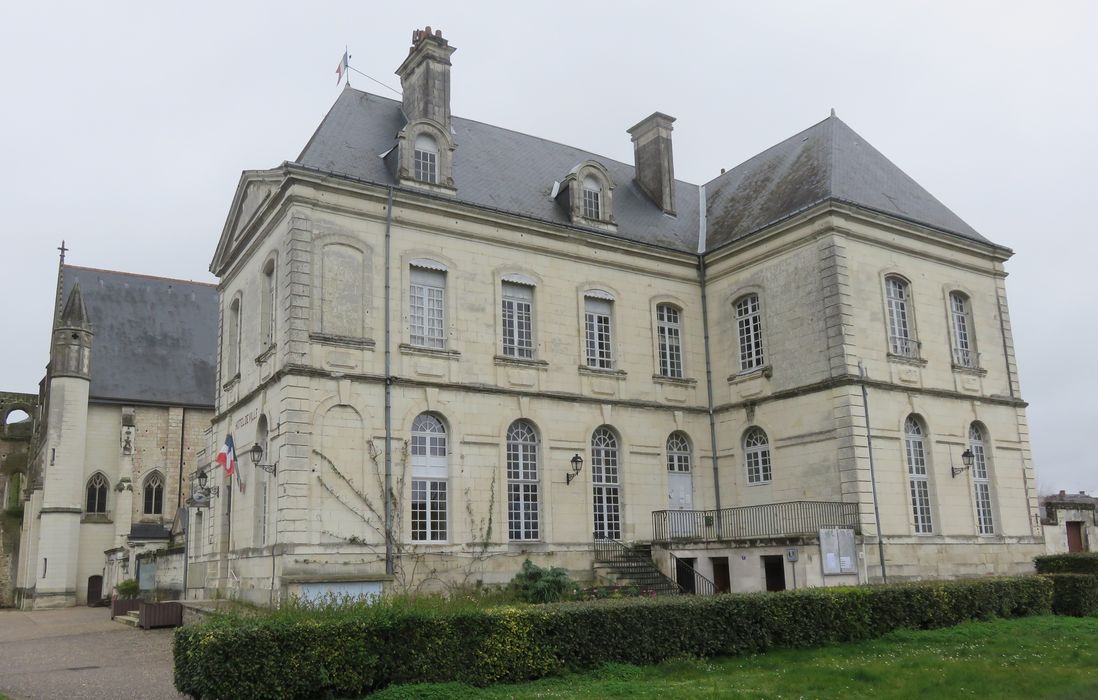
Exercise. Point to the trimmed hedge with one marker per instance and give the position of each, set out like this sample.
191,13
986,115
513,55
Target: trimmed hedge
1077,563
367,648
1074,594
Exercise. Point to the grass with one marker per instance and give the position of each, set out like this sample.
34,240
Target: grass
1036,657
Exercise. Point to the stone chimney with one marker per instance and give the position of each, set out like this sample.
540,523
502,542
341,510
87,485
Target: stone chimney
654,162
425,78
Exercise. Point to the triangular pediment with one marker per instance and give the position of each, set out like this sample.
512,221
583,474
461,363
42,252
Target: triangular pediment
256,189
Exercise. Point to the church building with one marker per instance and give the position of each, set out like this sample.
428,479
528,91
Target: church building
446,347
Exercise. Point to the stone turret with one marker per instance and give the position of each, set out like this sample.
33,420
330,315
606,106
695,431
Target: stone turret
70,355
425,78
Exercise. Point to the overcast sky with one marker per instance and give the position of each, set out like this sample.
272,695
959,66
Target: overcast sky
124,128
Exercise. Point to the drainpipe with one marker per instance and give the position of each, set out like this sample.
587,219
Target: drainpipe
709,388
872,473
179,487
388,393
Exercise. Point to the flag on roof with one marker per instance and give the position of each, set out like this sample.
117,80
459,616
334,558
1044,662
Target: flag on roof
342,67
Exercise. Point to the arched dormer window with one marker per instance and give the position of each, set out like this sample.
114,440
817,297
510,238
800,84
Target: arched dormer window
153,492
587,193
425,159
95,501
423,156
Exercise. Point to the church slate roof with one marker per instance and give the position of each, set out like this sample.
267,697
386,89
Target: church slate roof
496,168
155,339
513,172
827,161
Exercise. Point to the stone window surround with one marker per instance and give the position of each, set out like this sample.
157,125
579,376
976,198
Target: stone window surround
406,146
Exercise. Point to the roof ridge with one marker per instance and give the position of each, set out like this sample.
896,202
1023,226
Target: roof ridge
141,275
767,150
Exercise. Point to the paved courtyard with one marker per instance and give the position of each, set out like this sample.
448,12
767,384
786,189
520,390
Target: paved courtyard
81,653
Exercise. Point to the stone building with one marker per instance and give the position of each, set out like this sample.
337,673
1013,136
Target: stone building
770,378
1070,522
17,413
125,406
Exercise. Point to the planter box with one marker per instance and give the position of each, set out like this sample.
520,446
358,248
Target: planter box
122,606
160,615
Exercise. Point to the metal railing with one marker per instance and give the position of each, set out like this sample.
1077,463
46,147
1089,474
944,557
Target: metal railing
696,583
903,346
967,359
632,564
790,519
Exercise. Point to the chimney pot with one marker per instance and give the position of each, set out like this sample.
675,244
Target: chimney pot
425,78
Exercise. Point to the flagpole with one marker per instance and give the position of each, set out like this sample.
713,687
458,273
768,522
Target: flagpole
347,65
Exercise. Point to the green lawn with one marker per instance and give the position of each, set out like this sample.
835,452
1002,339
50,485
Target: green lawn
1038,657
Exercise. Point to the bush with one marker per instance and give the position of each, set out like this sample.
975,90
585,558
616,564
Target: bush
1077,563
128,588
537,585
1074,594
362,648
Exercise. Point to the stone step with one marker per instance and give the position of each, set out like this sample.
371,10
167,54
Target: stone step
132,619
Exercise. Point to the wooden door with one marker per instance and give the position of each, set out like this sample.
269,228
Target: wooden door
95,589
1075,536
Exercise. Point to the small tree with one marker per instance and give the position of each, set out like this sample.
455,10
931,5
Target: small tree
128,588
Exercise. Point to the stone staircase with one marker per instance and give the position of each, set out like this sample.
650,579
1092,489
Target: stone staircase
131,618
625,565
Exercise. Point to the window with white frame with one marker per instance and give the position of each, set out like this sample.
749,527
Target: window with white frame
154,494
427,307
756,456
518,320
669,339
678,453
522,482
749,328
964,350
426,159
598,322
985,520
917,475
592,198
95,501
901,338
430,472
267,313
605,479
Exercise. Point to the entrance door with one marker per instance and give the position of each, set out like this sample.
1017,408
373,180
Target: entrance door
720,574
774,570
680,486
1075,535
684,574
95,589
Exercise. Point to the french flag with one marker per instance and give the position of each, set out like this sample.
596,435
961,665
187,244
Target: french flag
227,456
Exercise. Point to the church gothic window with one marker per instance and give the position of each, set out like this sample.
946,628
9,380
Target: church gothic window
154,494
430,473
522,482
96,495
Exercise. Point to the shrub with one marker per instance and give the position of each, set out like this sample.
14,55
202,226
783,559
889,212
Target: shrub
537,585
352,651
128,588
1074,594
1077,563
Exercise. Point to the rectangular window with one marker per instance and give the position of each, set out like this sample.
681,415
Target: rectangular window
427,308
269,305
597,331
232,341
920,488
749,327
591,208
518,327
669,335
426,164
428,510
963,356
900,339
522,511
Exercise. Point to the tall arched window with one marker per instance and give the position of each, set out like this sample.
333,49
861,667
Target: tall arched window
918,475
678,453
669,337
985,520
95,501
269,305
154,494
964,341
232,340
522,481
426,159
605,477
749,329
430,472
756,456
901,336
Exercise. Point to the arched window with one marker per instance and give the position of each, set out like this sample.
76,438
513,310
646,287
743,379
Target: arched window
749,329
669,337
964,340
154,494
426,159
985,520
917,474
756,456
232,340
522,481
678,453
270,305
95,501
901,336
430,472
592,198
605,478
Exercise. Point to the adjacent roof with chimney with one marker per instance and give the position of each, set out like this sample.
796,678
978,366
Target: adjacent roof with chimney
155,339
513,172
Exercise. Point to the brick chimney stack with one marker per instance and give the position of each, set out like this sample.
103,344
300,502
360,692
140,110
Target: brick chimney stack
425,78
655,164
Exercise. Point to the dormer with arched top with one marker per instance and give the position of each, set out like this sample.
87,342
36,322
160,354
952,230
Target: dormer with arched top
424,156
586,193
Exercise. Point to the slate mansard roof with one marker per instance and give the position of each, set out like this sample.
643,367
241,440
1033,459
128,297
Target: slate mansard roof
513,172
155,339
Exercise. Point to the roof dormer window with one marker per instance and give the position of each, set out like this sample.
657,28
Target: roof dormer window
426,159
586,193
592,196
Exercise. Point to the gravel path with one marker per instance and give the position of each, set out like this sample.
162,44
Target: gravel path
82,653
